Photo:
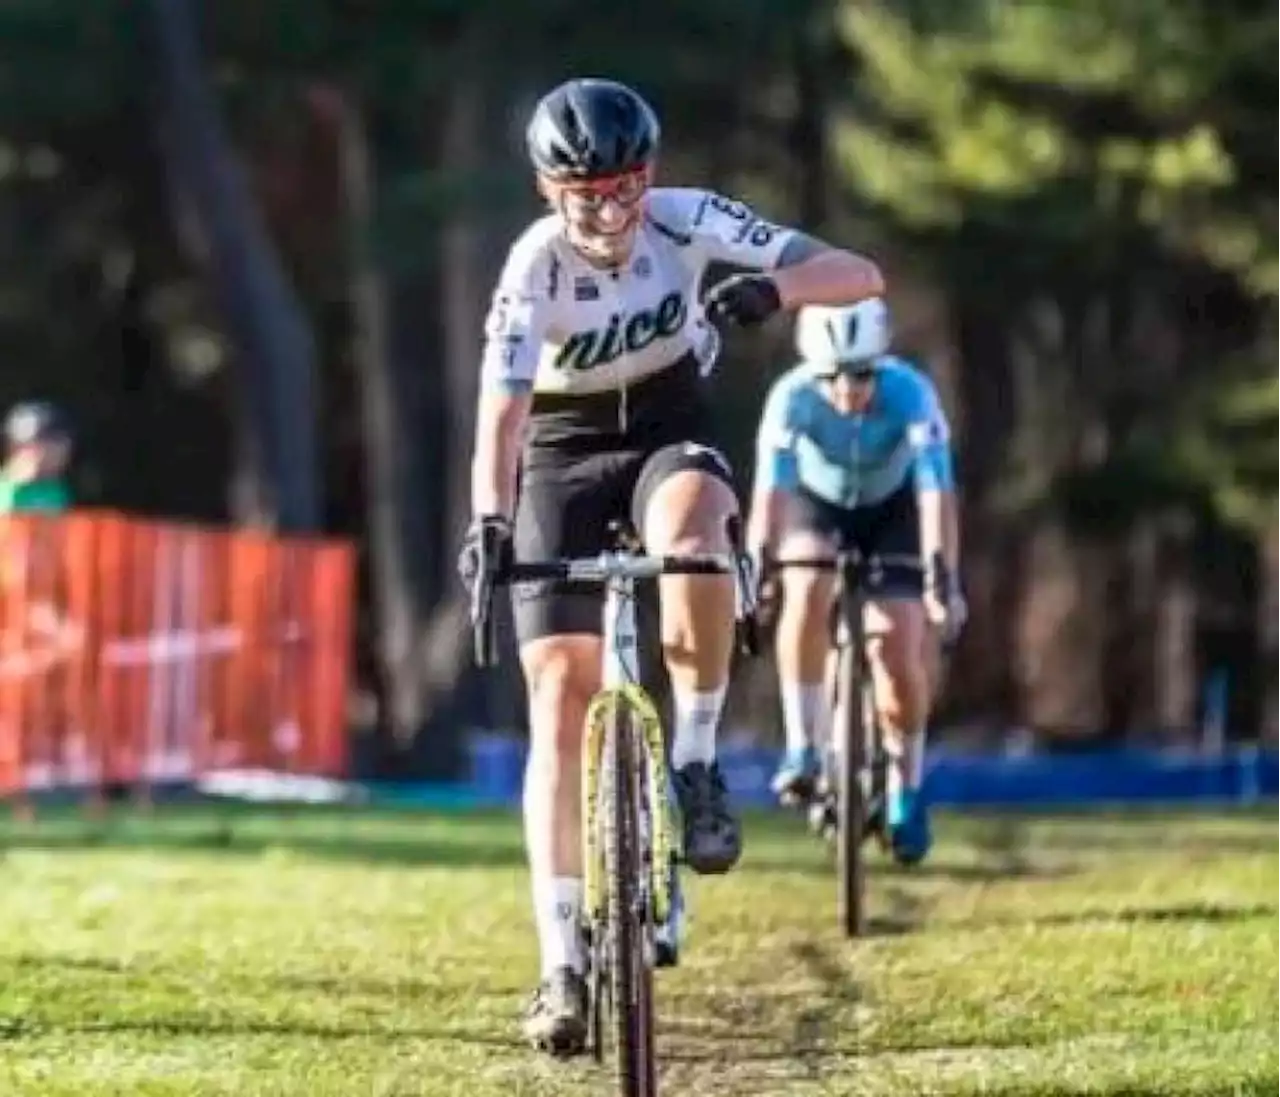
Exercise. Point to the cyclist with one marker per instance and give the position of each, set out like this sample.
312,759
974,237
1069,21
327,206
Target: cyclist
854,447
590,386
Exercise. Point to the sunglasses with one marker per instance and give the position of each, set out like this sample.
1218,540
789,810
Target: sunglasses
855,371
590,196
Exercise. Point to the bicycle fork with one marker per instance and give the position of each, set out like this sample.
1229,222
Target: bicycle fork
621,690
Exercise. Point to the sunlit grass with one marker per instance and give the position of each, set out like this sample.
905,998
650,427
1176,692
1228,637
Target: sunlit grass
316,952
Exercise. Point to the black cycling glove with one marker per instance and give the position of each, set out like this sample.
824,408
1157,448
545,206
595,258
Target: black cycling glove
744,299
486,550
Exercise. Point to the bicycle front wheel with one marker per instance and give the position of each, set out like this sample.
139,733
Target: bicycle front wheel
849,726
629,921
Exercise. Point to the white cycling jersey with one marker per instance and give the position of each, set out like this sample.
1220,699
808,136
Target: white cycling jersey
557,324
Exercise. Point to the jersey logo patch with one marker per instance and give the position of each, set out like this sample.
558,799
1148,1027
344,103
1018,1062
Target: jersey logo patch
932,432
750,228
625,333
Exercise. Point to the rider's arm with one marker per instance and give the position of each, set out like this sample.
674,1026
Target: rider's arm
500,422
934,469
810,272
806,270
514,333
776,472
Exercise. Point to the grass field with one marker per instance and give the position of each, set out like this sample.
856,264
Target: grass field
316,952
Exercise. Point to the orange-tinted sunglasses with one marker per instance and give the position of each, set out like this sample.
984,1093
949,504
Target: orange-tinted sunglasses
591,194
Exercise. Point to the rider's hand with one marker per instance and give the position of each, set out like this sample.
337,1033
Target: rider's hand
947,615
486,549
767,591
744,299
944,603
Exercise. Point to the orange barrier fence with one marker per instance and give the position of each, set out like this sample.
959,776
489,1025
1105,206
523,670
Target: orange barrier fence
134,652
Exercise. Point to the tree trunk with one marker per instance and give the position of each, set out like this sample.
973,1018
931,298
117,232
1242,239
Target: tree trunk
277,477
398,489
471,245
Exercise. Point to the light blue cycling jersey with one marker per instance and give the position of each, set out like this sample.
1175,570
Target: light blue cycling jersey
804,442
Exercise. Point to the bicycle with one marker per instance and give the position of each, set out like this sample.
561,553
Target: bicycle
855,765
629,838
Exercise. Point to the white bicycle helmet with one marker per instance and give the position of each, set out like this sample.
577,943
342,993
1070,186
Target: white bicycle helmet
831,336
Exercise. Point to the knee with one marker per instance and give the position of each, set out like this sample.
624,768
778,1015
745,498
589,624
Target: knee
687,513
559,691
688,541
898,663
702,530
806,599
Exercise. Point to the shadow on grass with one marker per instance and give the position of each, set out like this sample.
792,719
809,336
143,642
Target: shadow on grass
996,849
944,871
1191,913
805,1039
17,1028
988,870
1229,830
462,839
337,986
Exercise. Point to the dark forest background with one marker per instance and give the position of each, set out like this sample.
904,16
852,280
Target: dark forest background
249,245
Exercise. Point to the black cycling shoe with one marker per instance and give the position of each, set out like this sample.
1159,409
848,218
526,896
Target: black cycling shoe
712,836
556,1020
666,954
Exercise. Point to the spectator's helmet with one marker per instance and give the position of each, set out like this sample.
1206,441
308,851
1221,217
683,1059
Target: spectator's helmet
593,144
844,339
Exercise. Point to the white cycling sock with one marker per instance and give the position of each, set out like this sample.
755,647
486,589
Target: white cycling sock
697,718
557,909
803,710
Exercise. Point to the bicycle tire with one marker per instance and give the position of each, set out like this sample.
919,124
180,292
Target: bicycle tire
630,973
876,761
851,870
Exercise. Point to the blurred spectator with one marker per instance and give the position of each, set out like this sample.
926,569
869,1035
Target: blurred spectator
34,631
37,453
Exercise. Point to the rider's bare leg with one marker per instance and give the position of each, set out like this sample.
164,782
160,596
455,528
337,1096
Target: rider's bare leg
562,673
803,640
897,632
687,512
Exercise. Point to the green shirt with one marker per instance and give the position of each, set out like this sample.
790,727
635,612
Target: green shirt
33,497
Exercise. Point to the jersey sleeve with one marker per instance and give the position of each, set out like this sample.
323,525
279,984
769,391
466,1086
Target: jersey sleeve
519,315
930,436
728,231
776,467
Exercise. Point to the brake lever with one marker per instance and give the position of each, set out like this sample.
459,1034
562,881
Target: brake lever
747,625
482,621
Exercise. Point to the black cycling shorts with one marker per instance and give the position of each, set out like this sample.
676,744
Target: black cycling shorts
889,527
593,460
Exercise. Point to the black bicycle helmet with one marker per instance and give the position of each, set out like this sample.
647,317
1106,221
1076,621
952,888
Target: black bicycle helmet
35,421
591,129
